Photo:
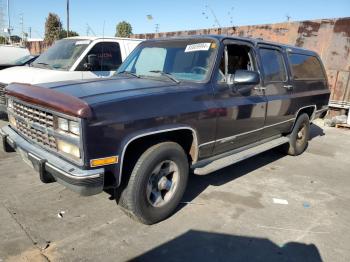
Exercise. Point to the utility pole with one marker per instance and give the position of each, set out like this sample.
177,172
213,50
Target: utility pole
21,22
9,21
67,18
30,32
157,28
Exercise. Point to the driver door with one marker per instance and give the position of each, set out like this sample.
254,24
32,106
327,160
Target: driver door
240,112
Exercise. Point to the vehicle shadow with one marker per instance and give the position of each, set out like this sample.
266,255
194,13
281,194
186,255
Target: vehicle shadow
206,246
197,184
316,131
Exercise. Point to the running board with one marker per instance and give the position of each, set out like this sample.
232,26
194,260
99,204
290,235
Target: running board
239,156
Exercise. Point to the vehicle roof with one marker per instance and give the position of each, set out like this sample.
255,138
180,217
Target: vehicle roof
254,41
93,38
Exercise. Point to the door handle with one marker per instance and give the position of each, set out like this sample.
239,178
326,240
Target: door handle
288,87
260,88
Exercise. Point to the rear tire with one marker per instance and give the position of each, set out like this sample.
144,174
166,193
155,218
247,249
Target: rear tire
157,183
298,139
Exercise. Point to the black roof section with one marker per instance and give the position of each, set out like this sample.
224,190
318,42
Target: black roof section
254,41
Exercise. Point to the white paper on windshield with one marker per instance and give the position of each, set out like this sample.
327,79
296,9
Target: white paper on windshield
197,47
82,42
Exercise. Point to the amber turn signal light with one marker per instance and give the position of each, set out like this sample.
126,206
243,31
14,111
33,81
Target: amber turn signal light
104,161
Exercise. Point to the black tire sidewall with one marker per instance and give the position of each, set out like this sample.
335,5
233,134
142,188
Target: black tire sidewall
295,148
141,174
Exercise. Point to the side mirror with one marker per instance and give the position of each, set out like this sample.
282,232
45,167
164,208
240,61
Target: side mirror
244,77
243,80
92,62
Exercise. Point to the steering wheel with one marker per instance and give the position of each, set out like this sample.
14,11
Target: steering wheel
199,68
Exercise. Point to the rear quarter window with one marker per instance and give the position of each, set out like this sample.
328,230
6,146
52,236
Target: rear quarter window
305,67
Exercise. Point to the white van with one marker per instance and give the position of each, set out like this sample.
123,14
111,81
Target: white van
10,53
73,58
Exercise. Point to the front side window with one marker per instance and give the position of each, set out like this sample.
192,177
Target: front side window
236,57
273,65
62,55
108,57
306,67
188,60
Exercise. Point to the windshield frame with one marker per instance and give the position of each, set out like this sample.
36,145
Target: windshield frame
72,65
146,43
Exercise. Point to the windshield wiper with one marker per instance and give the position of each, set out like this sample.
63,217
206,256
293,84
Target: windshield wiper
168,75
129,73
42,63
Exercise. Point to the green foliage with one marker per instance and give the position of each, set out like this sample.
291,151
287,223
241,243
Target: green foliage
3,40
53,29
53,26
63,33
123,29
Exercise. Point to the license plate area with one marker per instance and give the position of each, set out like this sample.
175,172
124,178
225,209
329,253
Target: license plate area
24,156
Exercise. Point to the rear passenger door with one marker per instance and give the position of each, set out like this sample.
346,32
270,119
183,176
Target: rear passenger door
109,59
278,90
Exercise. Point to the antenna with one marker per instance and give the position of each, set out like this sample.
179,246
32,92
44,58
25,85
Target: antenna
288,17
103,29
21,22
89,29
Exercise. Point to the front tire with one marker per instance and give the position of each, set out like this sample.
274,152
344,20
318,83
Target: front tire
157,183
299,138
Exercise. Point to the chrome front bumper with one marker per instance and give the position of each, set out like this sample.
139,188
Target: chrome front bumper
52,168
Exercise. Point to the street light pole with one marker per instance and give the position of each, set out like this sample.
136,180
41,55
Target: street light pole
67,18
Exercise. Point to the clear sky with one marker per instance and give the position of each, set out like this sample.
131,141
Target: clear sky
170,15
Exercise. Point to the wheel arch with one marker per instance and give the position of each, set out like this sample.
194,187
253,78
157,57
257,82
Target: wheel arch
310,110
192,151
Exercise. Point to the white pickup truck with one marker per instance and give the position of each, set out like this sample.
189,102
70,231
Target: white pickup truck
73,58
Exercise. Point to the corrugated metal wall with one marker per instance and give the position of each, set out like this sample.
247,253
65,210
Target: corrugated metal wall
330,38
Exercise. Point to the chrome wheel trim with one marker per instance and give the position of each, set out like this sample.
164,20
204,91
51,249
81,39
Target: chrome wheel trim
163,183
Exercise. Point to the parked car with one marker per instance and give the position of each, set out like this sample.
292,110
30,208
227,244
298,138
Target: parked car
72,58
10,53
26,60
200,103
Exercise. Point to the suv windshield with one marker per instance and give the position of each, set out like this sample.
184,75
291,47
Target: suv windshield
62,55
189,59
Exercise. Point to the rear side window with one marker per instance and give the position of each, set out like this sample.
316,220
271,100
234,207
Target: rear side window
273,65
305,67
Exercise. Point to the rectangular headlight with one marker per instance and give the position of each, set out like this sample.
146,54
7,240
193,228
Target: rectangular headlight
10,103
68,148
62,124
12,121
74,127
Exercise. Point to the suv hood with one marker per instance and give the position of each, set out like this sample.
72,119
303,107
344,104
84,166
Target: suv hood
115,88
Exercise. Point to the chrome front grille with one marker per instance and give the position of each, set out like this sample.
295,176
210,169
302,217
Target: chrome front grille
34,124
2,94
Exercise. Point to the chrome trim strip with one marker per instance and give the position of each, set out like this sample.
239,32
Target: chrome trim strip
225,139
195,141
71,176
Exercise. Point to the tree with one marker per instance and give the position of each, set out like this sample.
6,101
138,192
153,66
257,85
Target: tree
53,26
123,29
63,33
3,40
